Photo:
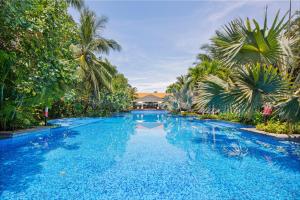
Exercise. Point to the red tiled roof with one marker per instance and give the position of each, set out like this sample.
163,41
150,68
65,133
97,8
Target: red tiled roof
157,94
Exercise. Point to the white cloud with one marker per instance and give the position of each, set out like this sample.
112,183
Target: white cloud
154,86
226,10
158,49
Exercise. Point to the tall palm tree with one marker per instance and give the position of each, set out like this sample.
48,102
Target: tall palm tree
239,43
94,71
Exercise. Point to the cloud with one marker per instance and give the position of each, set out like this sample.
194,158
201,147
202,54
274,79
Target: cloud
154,86
226,10
160,40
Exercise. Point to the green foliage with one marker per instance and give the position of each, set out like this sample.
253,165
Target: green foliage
120,98
249,89
208,67
36,63
234,117
94,72
222,116
291,44
289,110
46,59
181,95
239,43
246,66
279,127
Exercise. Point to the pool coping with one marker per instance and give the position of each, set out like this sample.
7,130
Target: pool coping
252,129
20,132
290,137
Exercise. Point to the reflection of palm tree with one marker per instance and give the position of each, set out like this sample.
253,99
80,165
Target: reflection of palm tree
236,150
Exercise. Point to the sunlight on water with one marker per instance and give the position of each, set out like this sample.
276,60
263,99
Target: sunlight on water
148,155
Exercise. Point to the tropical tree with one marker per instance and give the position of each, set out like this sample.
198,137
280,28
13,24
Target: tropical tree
76,3
251,53
36,64
207,54
181,95
291,43
119,98
94,71
207,67
246,91
239,43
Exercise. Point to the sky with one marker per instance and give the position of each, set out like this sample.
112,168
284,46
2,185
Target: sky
160,39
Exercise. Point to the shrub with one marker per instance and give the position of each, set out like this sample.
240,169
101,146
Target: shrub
279,127
208,116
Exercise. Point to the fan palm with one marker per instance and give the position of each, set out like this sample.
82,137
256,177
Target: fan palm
290,109
291,41
96,72
239,43
246,92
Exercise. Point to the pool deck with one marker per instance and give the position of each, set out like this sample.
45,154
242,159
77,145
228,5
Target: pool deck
291,137
16,133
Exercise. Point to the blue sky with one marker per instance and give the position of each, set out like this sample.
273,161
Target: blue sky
160,39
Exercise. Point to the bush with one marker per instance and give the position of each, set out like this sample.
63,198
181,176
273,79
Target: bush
257,118
222,116
208,116
279,127
186,113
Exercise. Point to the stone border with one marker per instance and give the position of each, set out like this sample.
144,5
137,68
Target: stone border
292,137
16,133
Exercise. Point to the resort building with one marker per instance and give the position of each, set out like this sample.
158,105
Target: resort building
149,100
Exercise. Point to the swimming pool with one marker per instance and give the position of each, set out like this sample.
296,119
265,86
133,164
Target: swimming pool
148,155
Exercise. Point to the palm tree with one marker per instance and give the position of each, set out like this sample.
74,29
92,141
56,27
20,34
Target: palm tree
207,67
181,98
207,55
291,42
172,101
239,43
94,71
245,92
78,4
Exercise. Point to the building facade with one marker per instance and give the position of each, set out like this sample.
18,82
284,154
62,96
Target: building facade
151,101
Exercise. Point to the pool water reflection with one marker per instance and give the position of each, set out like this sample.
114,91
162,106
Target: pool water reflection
148,155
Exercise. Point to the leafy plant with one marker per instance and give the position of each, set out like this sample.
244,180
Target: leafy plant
94,72
239,43
278,127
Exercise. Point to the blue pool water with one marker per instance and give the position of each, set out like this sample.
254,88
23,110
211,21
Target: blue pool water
148,155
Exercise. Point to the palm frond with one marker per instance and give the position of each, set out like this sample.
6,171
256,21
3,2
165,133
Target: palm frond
251,87
78,4
290,109
238,43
